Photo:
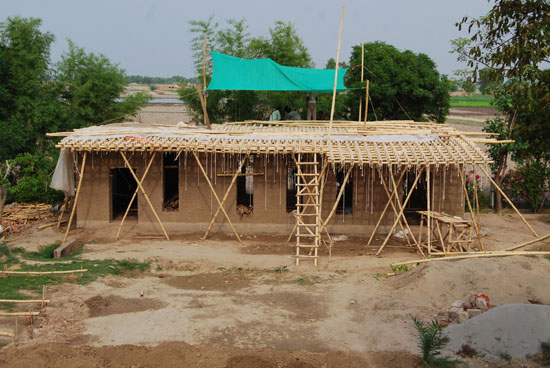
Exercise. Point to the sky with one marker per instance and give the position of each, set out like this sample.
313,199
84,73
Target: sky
152,37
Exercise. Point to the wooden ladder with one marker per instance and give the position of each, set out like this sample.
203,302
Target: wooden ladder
308,207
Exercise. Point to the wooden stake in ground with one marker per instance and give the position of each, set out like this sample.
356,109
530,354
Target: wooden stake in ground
215,194
336,71
243,160
135,194
76,197
145,194
508,200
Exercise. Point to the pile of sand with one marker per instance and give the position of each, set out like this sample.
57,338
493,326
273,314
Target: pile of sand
514,329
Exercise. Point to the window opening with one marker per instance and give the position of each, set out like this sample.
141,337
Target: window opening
345,204
123,187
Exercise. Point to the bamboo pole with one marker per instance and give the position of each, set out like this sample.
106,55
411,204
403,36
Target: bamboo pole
340,192
203,104
215,194
204,69
428,208
508,200
400,212
336,72
476,193
37,273
405,220
11,314
135,194
528,243
385,209
480,244
391,203
366,103
362,77
65,202
225,196
144,194
25,301
76,197
477,255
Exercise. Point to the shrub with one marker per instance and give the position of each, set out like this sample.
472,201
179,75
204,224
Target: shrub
430,341
528,182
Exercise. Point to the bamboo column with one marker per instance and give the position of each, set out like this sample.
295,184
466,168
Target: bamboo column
76,197
144,194
508,200
225,196
135,194
336,72
340,192
215,194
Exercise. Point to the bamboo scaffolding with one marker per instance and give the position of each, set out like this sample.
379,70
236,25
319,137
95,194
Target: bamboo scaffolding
400,212
366,103
428,207
233,180
76,197
508,200
144,194
135,194
362,77
205,175
340,192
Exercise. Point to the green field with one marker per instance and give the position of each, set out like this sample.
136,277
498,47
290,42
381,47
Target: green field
475,100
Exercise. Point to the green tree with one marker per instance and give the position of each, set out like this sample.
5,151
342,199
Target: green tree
283,46
90,89
513,40
489,80
403,85
27,100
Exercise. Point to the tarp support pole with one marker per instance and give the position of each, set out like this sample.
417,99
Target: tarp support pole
336,71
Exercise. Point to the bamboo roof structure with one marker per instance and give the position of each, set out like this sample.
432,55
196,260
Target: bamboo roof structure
401,143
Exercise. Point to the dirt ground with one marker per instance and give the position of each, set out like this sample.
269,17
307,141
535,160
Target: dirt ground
221,303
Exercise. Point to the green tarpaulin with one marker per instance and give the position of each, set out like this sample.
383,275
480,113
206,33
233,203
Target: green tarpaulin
232,73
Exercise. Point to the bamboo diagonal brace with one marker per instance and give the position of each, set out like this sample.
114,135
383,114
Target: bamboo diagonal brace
400,212
385,209
76,197
480,245
145,194
135,194
508,200
215,194
233,180
340,192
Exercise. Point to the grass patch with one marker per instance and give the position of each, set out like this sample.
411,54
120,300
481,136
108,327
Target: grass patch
475,100
465,122
11,286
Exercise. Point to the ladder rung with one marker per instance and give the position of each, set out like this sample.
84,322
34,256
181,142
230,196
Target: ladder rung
308,163
307,246
308,174
305,256
307,184
308,235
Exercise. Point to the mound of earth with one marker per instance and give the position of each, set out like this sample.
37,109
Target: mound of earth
112,304
514,329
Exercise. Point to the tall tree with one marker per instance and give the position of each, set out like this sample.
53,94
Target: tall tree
403,85
27,101
513,40
90,89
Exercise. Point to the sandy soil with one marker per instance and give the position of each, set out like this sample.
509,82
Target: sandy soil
247,304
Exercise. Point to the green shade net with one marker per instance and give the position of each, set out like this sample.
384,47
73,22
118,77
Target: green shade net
232,73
